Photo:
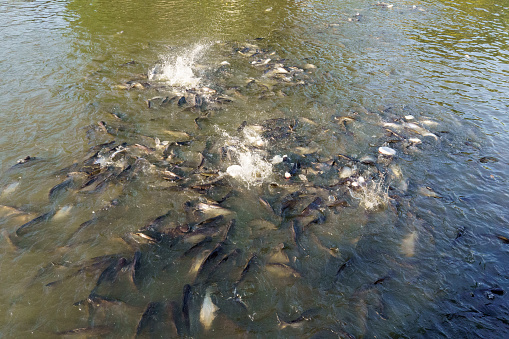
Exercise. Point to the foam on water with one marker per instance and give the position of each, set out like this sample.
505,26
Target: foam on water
251,166
177,70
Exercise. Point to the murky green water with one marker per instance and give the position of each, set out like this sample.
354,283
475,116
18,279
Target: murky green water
157,185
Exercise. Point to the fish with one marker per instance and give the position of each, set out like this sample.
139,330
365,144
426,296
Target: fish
504,239
216,252
186,299
92,265
27,227
281,270
87,331
298,322
14,216
177,135
341,268
208,311
408,244
218,270
278,256
63,212
420,130
151,316
198,262
8,240
212,210
314,205
9,189
228,230
111,272
134,268
267,207
248,267
24,162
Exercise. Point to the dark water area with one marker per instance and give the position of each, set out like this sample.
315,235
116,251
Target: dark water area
309,169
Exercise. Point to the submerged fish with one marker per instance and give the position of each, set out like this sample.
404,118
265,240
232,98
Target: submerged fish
63,212
208,311
280,270
25,228
186,299
408,244
87,331
9,189
297,322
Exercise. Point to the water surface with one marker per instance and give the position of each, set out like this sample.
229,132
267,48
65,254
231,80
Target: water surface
405,246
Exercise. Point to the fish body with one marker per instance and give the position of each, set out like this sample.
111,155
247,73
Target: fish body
208,311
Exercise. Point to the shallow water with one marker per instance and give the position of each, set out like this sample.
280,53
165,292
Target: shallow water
313,221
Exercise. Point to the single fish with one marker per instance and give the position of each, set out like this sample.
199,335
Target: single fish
208,311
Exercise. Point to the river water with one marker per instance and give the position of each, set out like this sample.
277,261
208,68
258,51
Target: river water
213,169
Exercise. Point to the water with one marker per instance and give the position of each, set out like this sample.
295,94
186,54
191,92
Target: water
285,151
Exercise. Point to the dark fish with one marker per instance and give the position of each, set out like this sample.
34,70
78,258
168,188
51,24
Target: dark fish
347,263
267,207
25,228
315,205
297,322
460,232
111,272
186,299
208,223
97,183
158,222
150,317
182,101
132,62
94,265
226,258
24,162
483,160
505,240
247,268
497,291
295,168
228,230
296,230
282,270
228,195
87,331
195,247
289,202
135,266
57,189
381,280
175,317
168,100
91,170
216,252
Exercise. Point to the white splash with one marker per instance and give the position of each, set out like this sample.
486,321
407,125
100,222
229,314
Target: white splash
177,70
251,166
372,194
